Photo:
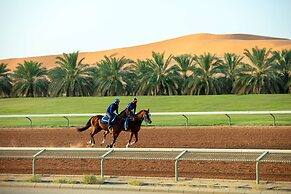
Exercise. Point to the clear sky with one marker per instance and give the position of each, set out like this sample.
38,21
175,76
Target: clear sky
45,27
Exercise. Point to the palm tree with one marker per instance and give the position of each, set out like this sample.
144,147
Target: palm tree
207,75
71,78
185,64
283,59
185,67
5,81
113,76
260,75
160,78
140,67
231,64
30,80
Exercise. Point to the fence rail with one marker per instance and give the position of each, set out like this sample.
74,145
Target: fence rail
176,154
184,114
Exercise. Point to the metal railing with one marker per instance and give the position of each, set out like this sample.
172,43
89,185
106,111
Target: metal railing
184,114
176,154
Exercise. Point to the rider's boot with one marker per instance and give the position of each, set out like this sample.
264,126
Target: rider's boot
126,124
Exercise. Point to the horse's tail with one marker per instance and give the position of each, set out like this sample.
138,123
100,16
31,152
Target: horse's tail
86,127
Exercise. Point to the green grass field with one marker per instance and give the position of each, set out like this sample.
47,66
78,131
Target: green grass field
69,105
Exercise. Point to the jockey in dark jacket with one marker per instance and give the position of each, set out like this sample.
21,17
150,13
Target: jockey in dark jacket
130,111
110,112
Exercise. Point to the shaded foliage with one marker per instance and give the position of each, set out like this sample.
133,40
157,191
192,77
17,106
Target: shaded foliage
260,75
283,60
5,81
30,80
185,67
231,68
159,78
71,78
207,77
262,72
113,77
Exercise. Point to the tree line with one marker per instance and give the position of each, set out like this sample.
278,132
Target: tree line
263,72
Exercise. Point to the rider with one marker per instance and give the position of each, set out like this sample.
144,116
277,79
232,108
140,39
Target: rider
110,112
130,111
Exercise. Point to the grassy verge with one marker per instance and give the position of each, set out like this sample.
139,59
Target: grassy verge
136,182
68,105
91,179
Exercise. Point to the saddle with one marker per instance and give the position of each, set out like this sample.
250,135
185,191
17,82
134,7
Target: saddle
105,119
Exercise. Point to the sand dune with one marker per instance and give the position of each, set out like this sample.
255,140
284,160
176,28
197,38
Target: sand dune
192,44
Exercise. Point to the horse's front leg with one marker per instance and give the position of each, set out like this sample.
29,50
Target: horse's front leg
136,139
115,135
128,144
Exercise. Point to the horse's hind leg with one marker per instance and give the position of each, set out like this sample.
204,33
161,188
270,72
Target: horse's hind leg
104,136
92,140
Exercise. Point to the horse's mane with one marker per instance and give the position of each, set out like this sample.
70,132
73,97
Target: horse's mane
139,112
121,113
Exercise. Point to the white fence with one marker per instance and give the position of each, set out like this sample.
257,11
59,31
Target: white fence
184,114
173,154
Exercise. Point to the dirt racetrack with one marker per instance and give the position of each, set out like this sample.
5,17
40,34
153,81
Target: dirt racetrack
171,137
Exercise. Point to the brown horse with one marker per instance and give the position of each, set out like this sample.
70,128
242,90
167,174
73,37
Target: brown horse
134,126
96,126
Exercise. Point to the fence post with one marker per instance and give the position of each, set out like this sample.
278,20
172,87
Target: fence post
33,160
186,120
29,121
258,166
274,119
177,165
229,119
67,120
102,161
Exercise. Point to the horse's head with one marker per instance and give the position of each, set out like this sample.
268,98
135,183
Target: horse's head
145,115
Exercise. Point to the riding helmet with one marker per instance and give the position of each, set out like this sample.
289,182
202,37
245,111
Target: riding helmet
116,100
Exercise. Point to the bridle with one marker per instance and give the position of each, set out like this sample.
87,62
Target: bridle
146,117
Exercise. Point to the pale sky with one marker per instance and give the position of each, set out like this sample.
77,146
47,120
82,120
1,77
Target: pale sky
47,27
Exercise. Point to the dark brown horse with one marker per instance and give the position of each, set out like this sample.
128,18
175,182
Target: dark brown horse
134,126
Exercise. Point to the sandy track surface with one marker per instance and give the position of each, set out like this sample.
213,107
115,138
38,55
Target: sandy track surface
170,137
